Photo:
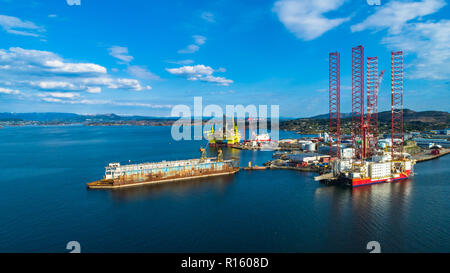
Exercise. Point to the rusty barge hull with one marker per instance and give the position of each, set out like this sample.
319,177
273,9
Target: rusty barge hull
134,181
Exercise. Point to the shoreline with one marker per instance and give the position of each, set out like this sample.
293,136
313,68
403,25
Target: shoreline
426,157
422,157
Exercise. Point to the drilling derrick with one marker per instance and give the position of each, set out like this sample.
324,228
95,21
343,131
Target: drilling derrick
397,103
334,102
373,85
358,126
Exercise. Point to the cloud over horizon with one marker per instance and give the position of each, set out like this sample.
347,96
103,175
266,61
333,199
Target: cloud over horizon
200,73
37,70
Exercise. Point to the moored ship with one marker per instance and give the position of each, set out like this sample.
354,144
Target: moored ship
117,175
380,169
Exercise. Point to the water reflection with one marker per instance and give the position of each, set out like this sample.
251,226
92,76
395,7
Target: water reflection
364,195
391,196
380,211
228,152
180,188
375,211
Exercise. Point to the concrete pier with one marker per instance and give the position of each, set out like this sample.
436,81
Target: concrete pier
425,156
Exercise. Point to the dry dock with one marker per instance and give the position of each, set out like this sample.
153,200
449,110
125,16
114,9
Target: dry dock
119,176
113,184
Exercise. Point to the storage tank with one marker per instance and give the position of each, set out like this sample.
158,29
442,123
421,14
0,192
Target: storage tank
310,147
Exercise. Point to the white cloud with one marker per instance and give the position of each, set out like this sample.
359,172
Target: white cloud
16,26
102,81
90,84
120,53
52,16
141,72
75,68
54,85
131,84
191,70
209,78
116,83
306,18
137,71
198,40
189,49
73,2
91,89
9,91
394,15
44,70
48,77
105,102
52,100
60,95
182,62
208,16
430,42
32,61
199,73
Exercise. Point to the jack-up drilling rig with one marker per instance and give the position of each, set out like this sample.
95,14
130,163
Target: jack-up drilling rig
368,164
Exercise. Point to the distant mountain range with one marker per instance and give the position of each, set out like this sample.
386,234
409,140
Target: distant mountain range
71,117
438,117
412,120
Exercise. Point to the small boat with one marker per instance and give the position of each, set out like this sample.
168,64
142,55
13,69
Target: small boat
254,168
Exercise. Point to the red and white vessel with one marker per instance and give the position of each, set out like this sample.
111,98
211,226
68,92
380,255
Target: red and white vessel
377,170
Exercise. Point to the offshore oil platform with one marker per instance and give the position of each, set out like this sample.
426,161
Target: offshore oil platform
369,163
118,176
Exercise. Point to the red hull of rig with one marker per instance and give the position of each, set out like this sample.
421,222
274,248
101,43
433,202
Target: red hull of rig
368,181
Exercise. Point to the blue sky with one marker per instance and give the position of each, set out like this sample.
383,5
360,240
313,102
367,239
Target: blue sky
143,57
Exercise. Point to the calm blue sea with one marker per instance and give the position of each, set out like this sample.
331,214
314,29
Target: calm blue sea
44,202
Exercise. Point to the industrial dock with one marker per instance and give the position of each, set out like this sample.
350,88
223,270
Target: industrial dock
119,176
363,156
